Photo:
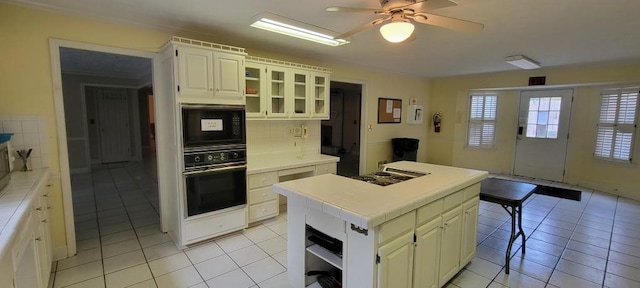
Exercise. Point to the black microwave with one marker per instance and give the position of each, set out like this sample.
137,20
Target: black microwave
213,125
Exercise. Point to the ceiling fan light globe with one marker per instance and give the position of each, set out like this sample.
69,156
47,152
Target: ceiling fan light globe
397,31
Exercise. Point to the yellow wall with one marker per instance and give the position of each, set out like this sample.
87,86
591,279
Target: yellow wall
26,81
449,96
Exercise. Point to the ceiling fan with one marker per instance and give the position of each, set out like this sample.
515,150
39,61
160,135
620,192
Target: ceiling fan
399,14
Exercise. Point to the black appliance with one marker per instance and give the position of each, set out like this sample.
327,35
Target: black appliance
389,176
208,125
404,149
215,178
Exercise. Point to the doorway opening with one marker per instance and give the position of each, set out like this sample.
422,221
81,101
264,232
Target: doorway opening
340,135
109,135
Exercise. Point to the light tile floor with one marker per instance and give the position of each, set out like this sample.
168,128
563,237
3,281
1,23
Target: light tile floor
590,243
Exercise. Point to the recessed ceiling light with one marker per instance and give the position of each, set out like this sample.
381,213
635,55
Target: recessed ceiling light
523,62
293,28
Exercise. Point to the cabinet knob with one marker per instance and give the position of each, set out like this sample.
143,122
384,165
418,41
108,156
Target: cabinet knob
38,239
48,207
44,221
39,209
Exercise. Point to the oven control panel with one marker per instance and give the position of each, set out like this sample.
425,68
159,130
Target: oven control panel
214,157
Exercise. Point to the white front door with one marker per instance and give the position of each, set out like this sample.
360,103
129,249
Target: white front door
113,109
543,130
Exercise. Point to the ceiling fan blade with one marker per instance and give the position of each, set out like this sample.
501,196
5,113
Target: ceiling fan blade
428,5
447,22
350,9
362,27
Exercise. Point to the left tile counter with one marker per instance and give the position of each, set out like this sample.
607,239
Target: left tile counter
25,241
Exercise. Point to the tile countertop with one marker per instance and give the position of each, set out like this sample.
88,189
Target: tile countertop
13,204
271,162
368,205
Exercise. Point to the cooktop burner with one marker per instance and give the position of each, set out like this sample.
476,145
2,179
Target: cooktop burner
384,178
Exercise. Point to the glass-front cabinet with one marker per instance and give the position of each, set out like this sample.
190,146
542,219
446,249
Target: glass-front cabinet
300,94
277,83
282,90
255,90
321,96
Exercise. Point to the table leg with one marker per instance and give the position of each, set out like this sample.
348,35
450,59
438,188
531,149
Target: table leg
512,238
521,232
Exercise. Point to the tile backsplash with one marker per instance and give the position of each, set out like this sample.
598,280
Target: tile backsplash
29,132
265,137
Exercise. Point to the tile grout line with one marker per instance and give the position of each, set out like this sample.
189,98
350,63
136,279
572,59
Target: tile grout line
606,263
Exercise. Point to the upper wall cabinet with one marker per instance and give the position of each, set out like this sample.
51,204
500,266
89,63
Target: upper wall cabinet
283,90
208,73
320,95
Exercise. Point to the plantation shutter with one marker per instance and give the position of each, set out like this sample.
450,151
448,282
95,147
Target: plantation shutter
617,124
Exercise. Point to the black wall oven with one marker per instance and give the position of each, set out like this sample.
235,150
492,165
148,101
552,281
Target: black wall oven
215,179
209,125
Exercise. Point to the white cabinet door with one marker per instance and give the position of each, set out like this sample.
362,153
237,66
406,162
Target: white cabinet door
469,230
396,263
427,254
256,90
450,248
277,89
228,74
320,96
300,98
195,72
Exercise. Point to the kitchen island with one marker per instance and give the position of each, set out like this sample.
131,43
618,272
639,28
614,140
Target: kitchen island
416,233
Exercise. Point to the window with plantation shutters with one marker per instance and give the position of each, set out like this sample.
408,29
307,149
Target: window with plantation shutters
617,124
482,120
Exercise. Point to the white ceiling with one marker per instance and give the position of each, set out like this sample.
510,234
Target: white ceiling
552,32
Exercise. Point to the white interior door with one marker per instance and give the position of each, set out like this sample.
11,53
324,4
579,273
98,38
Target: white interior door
543,131
113,110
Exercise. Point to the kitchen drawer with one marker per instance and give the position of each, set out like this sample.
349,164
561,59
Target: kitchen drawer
472,191
263,179
207,227
326,169
263,210
397,226
262,195
453,200
427,212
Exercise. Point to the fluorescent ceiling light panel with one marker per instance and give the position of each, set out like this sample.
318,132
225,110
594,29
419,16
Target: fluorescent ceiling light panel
293,28
523,62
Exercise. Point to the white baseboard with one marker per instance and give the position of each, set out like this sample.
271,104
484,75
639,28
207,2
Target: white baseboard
60,253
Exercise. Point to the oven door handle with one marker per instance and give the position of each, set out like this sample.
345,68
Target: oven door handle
215,170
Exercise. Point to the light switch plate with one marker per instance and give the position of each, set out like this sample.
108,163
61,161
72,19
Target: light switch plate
297,132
